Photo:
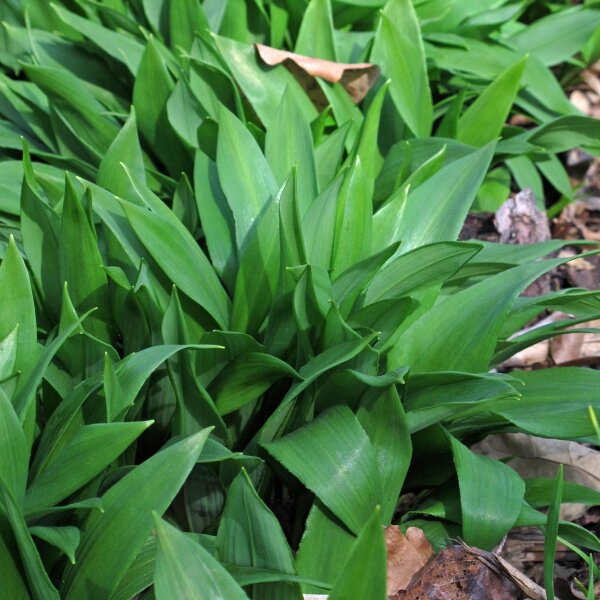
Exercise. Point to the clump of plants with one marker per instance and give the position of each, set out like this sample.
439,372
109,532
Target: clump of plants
234,330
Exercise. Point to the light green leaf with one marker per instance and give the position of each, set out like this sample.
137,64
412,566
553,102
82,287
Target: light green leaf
184,569
66,539
482,122
398,48
334,458
250,535
245,175
14,465
315,37
177,253
86,454
482,481
368,555
114,537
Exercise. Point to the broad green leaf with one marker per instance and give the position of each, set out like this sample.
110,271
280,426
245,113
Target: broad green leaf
482,122
553,403
482,481
66,538
14,451
119,46
16,308
175,250
315,37
289,143
80,112
382,416
556,38
259,269
114,537
152,89
216,218
245,175
354,220
368,555
565,133
551,534
186,19
87,453
250,535
39,230
335,459
325,545
424,267
460,333
398,48
38,579
246,378
13,584
436,210
126,149
82,270
328,155
184,569
185,113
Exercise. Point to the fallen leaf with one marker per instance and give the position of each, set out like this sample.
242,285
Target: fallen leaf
406,555
577,348
539,457
357,79
458,574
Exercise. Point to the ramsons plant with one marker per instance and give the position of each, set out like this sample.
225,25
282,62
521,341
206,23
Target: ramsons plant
235,331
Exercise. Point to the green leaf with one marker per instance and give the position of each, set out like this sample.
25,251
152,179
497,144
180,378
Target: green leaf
460,333
325,545
216,218
482,482
39,230
424,267
114,537
39,582
354,220
289,143
16,308
262,86
66,539
177,253
250,535
368,555
553,402
186,19
382,416
551,534
88,452
246,378
151,91
83,270
315,37
557,37
184,569
398,48
245,175
483,121
334,458
125,149
258,273
14,465
436,210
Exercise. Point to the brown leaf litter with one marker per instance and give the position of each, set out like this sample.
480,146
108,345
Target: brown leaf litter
357,79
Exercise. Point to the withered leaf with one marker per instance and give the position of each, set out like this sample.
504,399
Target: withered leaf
406,555
357,79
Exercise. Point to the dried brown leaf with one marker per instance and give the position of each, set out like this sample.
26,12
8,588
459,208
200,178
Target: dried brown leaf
357,79
406,555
